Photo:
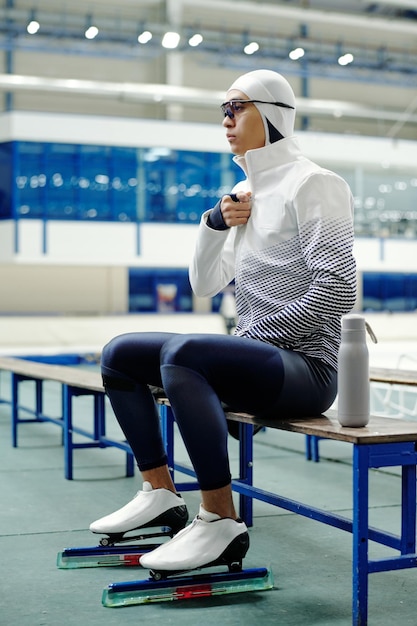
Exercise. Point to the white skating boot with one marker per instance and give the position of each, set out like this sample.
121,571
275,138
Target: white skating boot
149,508
208,540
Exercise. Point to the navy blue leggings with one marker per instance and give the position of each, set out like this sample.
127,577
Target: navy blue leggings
200,373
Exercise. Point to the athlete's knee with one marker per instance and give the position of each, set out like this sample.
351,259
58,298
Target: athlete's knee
113,351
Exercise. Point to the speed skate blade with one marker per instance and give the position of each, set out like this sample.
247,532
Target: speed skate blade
186,587
98,556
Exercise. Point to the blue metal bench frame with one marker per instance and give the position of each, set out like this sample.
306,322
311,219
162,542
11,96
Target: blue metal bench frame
398,449
96,435
385,375
365,458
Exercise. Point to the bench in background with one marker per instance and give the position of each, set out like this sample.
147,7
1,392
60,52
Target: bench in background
74,382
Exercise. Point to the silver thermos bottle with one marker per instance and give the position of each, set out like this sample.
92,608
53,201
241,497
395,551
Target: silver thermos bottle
353,405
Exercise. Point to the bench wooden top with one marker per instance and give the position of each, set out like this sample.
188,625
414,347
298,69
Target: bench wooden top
393,376
77,377
379,429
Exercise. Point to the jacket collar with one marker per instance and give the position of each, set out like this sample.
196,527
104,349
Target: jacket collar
270,156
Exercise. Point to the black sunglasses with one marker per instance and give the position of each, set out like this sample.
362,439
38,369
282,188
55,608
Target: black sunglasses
232,107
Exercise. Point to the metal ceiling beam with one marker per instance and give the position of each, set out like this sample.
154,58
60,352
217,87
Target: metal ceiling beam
374,66
310,16
64,32
187,96
401,4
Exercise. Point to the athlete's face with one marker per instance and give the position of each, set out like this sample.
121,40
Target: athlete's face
243,123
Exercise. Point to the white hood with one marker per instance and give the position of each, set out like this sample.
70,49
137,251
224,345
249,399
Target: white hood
270,86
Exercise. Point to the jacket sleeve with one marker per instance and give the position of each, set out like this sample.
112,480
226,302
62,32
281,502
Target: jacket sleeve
324,211
212,267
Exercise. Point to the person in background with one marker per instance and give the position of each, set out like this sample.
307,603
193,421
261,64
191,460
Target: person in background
284,235
228,309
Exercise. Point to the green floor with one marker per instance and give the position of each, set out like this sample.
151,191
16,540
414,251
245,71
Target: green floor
41,513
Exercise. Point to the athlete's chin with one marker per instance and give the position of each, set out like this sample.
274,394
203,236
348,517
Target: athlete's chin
234,147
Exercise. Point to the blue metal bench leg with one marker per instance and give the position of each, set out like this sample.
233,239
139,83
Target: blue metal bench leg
99,418
167,426
15,410
39,396
68,442
360,527
246,471
312,448
316,454
99,433
16,379
408,509
130,464
308,447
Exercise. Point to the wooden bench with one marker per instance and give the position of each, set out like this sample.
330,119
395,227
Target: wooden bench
393,376
74,382
385,375
384,442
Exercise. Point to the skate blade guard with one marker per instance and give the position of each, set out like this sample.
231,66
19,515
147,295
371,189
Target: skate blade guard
99,556
186,587
109,553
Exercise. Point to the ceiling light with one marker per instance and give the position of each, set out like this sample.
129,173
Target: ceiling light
384,188
33,27
296,54
195,40
345,59
170,40
91,32
251,47
145,36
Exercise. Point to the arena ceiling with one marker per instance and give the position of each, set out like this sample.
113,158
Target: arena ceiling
371,46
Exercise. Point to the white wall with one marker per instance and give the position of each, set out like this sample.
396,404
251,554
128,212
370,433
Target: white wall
50,288
111,131
386,255
100,243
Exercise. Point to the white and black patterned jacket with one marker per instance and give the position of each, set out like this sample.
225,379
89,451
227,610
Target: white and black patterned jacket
293,266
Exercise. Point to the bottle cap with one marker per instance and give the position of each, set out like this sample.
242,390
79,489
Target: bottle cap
353,322
357,322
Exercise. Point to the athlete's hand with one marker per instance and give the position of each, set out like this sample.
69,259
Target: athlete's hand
236,208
